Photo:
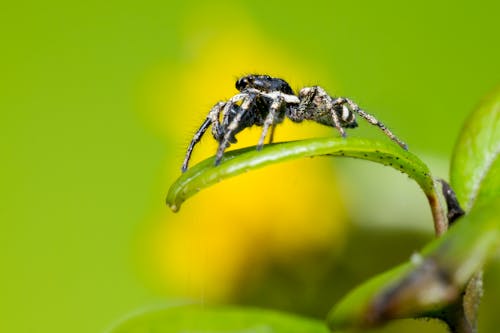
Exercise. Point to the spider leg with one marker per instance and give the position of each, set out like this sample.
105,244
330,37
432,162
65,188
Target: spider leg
271,134
214,116
336,121
213,119
230,110
248,99
270,119
372,120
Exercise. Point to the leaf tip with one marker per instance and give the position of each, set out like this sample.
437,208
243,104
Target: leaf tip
172,204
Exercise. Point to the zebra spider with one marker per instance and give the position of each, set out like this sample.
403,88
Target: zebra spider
266,101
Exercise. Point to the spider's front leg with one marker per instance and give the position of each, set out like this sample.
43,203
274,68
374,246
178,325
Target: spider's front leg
212,119
248,100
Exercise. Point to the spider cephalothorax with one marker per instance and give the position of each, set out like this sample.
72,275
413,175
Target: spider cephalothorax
264,83
266,101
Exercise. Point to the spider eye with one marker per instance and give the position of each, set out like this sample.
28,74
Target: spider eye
242,83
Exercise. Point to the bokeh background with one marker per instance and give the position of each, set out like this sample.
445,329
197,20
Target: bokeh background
98,101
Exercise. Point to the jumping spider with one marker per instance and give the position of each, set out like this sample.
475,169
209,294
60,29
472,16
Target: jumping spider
266,101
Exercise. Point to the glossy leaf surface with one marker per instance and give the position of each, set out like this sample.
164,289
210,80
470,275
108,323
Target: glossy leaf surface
475,166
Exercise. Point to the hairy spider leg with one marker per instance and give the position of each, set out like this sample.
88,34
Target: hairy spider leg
213,119
270,119
194,141
330,106
248,99
229,108
372,120
214,116
228,111
387,132
273,117
271,133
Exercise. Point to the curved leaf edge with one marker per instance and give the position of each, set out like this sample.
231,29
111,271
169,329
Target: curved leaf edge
236,162
476,151
239,161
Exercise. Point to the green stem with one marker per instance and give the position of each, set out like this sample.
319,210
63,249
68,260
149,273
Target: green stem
438,213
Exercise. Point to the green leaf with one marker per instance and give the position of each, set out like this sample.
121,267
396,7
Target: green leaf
475,166
237,162
202,319
429,282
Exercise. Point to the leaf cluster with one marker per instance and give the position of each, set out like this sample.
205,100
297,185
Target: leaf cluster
442,281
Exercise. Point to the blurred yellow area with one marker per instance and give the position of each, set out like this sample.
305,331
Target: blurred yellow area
242,223
238,225
99,100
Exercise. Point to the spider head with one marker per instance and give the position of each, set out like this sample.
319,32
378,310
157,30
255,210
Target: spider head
263,83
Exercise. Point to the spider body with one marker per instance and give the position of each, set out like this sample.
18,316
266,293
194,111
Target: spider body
266,101
317,105
261,90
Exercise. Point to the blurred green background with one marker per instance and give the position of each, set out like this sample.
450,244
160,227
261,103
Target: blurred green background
99,99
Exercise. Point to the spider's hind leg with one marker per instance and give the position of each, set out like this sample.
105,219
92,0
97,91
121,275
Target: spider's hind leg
372,120
336,121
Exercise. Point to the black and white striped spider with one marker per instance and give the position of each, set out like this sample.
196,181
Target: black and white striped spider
266,101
